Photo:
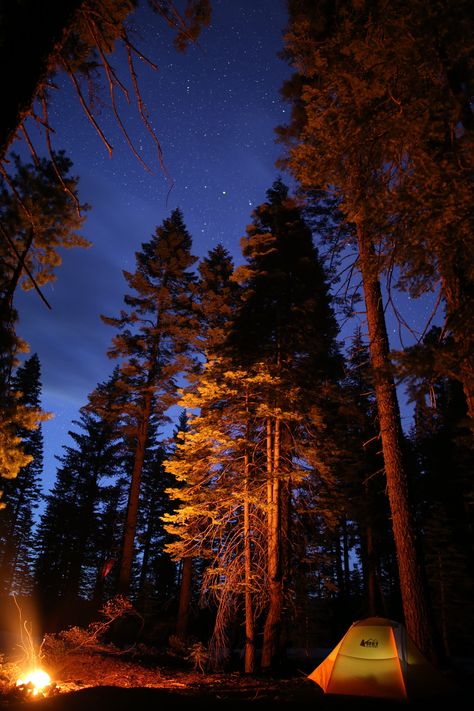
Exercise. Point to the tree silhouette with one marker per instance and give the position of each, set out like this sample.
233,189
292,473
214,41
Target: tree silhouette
153,341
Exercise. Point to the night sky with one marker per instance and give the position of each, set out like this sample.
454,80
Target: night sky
214,109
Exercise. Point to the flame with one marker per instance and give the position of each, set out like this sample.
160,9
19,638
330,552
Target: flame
38,679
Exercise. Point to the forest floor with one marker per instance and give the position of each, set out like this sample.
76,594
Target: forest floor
106,682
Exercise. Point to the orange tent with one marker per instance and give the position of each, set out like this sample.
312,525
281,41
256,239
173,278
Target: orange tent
376,658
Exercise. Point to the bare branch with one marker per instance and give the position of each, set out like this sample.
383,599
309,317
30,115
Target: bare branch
30,145
143,112
89,115
66,188
113,81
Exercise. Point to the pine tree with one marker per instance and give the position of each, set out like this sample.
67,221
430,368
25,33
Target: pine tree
22,494
267,382
208,463
68,541
338,143
218,295
185,565
156,575
430,237
368,502
153,342
209,523
286,327
443,492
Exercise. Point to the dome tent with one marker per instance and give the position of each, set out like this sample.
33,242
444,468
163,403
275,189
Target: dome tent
376,657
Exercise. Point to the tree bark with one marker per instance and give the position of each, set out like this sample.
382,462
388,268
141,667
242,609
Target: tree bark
184,597
411,583
128,540
249,620
271,632
249,664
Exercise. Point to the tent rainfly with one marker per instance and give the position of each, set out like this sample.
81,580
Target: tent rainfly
376,657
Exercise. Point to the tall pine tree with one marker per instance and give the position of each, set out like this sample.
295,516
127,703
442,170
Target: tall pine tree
339,143
286,328
154,339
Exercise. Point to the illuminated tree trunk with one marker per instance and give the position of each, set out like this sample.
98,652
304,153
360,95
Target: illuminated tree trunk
412,588
249,614
249,621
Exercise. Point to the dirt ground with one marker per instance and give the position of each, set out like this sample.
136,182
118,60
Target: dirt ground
95,682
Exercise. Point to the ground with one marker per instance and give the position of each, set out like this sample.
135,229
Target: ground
107,682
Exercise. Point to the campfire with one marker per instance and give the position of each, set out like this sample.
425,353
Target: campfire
36,683
24,675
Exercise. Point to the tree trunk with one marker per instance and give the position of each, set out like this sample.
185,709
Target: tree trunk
371,575
272,627
347,567
128,540
411,583
249,664
249,621
184,597
141,593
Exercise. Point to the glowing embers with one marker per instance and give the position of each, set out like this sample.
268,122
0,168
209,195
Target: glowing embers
36,683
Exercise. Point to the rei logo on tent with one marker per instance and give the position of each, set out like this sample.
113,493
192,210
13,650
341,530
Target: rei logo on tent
369,642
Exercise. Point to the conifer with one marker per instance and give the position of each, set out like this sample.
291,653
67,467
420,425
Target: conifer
155,337
345,139
22,494
69,544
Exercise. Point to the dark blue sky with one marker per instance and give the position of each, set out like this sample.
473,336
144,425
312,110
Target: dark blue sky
214,109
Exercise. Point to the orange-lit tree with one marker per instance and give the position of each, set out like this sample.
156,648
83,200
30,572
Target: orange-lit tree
211,464
219,497
217,296
347,139
261,401
185,563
